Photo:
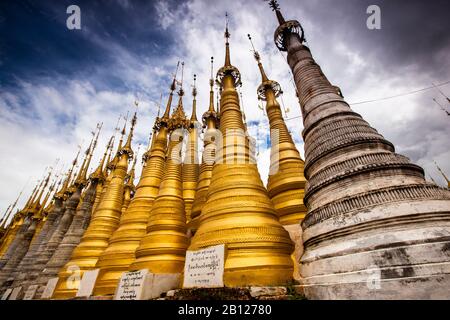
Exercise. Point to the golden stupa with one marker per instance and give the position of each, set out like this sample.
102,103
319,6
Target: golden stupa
238,211
163,248
210,122
103,224
15,224
120,252
190,162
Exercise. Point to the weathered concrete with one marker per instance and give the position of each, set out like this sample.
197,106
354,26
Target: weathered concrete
22,271
32,270
56,239
20,250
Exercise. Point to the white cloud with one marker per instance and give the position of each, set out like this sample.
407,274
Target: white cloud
32,136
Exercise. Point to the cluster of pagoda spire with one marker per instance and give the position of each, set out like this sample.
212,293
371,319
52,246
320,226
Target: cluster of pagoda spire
363,206
103,221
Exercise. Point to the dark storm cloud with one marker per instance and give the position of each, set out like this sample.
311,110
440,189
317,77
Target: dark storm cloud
35,43
414,32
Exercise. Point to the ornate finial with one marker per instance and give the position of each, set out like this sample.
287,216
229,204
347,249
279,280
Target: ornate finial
285,28
194,89
228,69
276,7
97,174
181,91
174,81
166,115
81,179
227,33
211,88
127,147
159,105
266,83
194,103
227,44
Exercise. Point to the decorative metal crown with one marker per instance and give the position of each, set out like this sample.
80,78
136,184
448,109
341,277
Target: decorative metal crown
283,30
275,86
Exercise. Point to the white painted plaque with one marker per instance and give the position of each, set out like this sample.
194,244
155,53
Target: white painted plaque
6,294
15,293
31,292
87,283
131,285
204,268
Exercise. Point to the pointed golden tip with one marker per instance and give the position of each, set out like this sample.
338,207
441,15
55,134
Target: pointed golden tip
194,103
212,69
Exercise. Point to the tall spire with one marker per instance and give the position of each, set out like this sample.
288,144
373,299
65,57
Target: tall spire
190,169
98,173
173,86
64,188
37,205
227,44
286,183
5,214
211,88
276,7
81,178
286,29
32,195
228,68
91,152
194,102
11,209
210,122
238,211
127,147
133,222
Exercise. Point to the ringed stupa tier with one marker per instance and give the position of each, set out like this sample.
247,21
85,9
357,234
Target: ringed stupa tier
238,211
120,253
370,210
103,224
210,122
190,162
163,248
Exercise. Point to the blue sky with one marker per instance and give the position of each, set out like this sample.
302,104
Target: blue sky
56,84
